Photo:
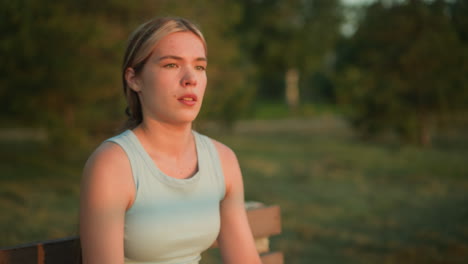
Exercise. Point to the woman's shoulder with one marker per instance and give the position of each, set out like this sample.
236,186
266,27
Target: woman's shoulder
108,162
229,164
107,151
225,153
107,178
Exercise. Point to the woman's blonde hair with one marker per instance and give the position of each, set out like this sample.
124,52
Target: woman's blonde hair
140,47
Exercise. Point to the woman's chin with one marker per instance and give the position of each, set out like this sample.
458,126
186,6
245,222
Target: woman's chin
178,118
183,120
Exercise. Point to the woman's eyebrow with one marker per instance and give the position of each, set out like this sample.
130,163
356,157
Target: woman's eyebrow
170,57
179,58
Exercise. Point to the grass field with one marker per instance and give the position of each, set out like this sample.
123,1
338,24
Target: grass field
342,200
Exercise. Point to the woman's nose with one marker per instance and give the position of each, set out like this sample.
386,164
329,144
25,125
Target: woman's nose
189,78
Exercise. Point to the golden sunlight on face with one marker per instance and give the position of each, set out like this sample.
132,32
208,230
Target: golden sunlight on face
174,79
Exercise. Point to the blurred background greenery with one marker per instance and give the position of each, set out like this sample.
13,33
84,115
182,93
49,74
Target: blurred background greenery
351,115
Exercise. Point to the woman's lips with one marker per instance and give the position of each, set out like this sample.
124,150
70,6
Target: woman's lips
188,99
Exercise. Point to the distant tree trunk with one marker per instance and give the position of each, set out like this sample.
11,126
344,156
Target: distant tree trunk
425,135
292,88
69,116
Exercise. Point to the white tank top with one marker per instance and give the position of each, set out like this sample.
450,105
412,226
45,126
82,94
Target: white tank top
171,220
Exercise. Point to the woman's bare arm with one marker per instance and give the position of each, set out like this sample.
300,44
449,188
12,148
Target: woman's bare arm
235,239
107,190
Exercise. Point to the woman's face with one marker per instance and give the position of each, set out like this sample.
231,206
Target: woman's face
172,83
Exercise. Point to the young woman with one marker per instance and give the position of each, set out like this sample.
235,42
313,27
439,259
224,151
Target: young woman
161,192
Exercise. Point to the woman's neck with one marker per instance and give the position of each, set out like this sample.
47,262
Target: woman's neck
170,139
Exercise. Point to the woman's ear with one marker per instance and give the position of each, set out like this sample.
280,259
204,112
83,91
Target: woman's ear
132,79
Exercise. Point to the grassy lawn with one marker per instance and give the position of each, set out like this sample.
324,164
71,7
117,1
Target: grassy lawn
342,200
38,193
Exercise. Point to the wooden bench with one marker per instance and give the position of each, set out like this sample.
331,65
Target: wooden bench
264,221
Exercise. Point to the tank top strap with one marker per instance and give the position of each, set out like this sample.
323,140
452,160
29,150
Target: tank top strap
125,141
211,160
208,157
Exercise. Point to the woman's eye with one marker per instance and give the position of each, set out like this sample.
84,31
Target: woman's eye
170,65
200,68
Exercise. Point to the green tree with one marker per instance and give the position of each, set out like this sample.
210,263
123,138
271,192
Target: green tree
288,40
62,59
52,63
403,69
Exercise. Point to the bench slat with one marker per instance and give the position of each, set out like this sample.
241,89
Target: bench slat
264,221
272,258
22,255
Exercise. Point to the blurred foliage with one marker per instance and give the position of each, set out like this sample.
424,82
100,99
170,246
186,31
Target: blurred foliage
62,57
278,35
402,71
61,62
59,67
405,68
